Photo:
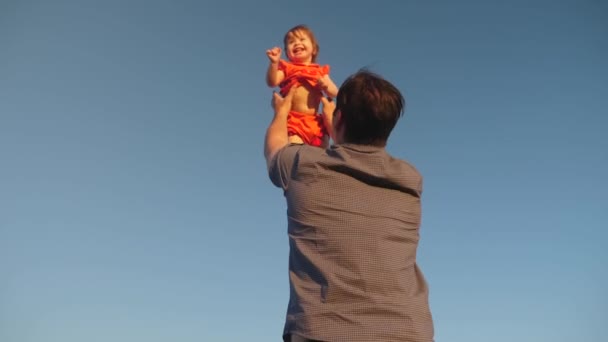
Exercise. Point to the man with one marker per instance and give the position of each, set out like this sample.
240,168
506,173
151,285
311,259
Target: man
353,222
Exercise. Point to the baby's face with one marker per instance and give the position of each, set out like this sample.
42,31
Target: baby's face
299,47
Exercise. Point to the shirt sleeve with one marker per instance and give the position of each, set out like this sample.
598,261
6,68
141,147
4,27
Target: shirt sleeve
280,168
284,66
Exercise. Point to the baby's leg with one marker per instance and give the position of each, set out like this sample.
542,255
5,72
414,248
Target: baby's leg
295,139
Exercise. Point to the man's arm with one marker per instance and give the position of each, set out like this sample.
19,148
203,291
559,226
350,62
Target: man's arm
329,106
276,134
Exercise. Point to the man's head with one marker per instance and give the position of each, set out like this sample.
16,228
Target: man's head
367,109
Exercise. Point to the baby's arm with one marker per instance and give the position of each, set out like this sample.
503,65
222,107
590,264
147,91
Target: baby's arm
328,86
274,76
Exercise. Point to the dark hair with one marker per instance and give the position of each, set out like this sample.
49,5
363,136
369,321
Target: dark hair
370,107
303,29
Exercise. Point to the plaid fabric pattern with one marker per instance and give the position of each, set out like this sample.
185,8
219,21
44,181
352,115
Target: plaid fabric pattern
353,224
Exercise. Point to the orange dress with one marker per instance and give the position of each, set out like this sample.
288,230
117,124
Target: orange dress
308,127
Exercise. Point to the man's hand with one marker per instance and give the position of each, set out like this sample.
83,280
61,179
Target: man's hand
276,134
274,54
282,105
329,107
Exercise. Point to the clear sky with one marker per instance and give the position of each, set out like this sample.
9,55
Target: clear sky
134,202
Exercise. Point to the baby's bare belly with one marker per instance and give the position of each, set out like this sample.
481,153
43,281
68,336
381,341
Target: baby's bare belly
306,101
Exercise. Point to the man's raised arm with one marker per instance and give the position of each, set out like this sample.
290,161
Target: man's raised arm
276,134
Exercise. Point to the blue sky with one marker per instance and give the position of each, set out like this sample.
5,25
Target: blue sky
134,203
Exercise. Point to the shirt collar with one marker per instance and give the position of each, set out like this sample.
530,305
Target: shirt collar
359,148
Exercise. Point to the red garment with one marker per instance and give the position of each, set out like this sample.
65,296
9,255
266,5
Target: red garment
296,73
309,127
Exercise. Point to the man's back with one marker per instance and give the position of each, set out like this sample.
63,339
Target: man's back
354,215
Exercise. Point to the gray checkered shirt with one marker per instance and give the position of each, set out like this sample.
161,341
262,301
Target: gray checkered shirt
353,223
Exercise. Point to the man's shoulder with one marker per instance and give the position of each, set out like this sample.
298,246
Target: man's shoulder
403,165
379,164
404,173
296,153
301,150
293,160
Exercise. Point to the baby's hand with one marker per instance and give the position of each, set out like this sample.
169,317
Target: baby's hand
323,82
327,86
274,54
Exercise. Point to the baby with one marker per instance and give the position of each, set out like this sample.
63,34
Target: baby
304,124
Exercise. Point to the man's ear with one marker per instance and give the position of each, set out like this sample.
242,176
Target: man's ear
337,118
337,123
